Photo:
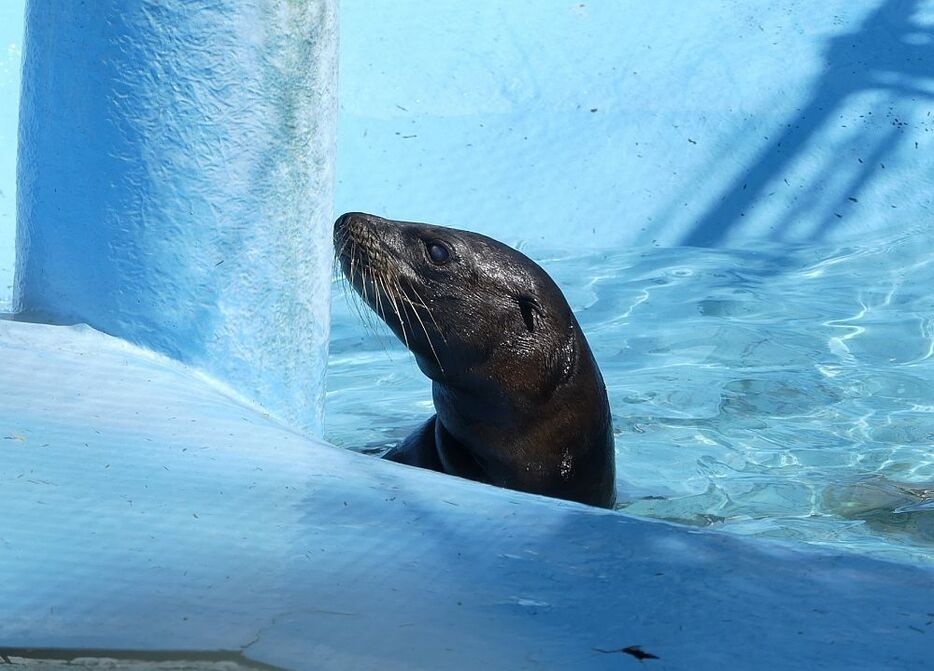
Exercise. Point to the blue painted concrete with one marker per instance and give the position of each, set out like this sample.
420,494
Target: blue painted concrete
175,183
143,509
11,42
608,122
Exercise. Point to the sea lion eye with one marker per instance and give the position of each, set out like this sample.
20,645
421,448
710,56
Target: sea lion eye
437,252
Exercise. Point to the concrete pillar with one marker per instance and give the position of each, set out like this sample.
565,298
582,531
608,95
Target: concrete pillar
175,183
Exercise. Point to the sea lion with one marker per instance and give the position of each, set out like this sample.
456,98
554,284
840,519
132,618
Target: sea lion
519,399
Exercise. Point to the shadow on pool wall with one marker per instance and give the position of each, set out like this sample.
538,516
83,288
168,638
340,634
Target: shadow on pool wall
889,59
604,123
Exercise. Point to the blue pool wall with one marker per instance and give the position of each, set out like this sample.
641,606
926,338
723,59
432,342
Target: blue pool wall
175,184
624,123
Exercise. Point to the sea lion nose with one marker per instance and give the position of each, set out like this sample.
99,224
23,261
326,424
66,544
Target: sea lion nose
350,220
343,221
343,226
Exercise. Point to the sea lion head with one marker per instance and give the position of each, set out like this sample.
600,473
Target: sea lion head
475,312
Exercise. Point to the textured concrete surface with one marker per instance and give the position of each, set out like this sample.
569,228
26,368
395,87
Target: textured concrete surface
11,44
145,509
175,183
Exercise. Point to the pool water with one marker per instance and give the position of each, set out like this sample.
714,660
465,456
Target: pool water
775,391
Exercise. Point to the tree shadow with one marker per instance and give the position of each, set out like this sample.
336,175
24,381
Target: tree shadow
890,52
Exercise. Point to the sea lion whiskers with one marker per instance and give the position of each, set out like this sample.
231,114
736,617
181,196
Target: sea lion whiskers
376,285
365,316
377,280
354,266
378,291
395,307
424,330
363,282
429,312
373,276
339,250
374,273
383,283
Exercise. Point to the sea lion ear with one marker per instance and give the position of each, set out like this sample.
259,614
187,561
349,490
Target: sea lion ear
530,309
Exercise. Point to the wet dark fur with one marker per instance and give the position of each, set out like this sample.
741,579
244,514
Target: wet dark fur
519,399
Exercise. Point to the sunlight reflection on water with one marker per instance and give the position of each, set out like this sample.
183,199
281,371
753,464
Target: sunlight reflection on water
784,391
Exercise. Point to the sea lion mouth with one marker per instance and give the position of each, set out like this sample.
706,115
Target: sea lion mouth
366,264
377,274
